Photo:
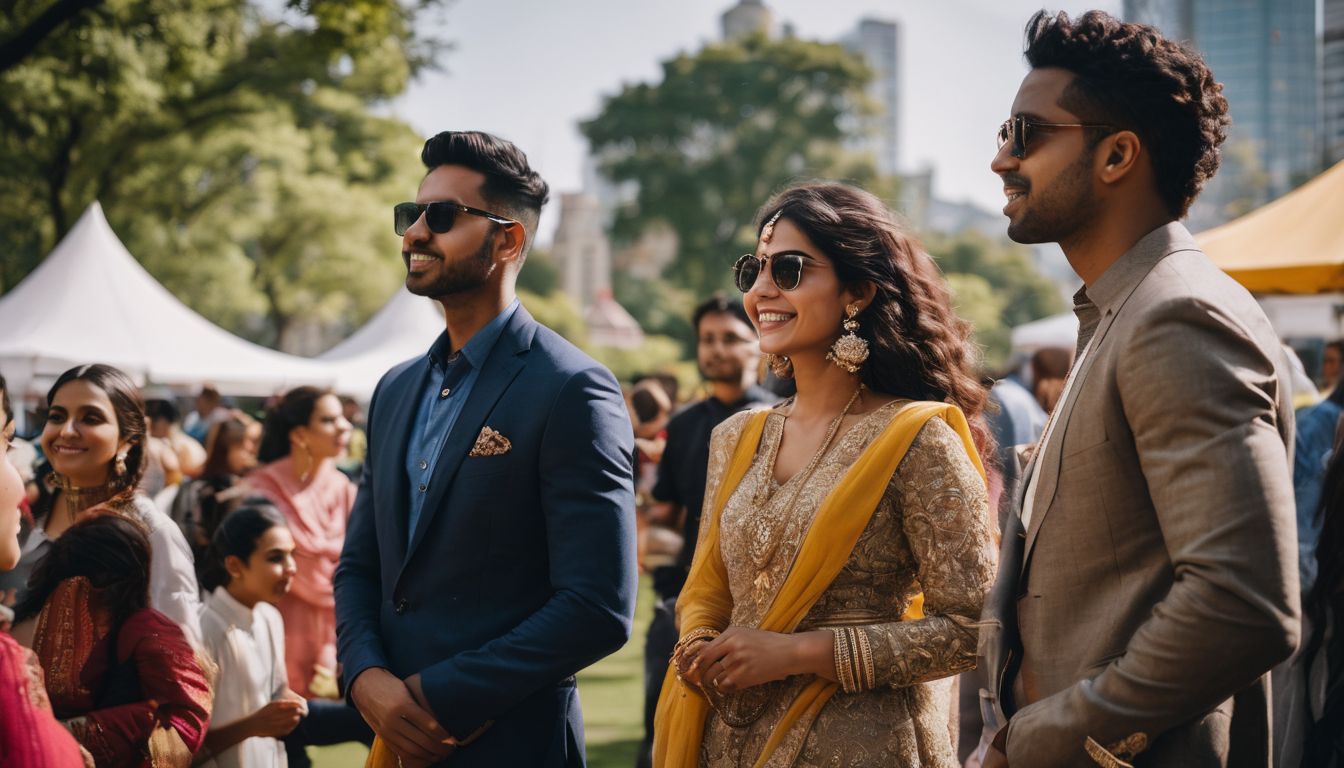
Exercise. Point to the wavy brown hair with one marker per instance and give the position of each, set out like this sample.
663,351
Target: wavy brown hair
918,347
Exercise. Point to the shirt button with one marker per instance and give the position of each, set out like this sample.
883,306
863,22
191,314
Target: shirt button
424,464
445,392
422,487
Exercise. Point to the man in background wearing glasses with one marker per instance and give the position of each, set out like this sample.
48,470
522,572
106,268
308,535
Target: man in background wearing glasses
490,554
1149,580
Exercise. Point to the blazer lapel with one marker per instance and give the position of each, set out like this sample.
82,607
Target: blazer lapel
1052,454
405,401
501,367
1133,267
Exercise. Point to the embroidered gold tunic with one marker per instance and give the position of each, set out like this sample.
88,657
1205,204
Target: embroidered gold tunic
930,533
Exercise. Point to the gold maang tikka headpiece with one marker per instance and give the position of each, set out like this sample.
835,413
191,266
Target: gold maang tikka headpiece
769,228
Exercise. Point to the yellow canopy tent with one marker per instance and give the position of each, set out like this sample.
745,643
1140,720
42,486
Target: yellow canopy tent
1294,245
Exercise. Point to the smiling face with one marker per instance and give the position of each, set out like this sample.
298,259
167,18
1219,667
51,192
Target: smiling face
726,348
460,260
1050,191
81,438
805,320
327,433
267,573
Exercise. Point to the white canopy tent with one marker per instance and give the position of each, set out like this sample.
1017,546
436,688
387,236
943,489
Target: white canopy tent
91,301
1055,331
404,328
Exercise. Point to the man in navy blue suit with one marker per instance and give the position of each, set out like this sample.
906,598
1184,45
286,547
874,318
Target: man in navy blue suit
490,555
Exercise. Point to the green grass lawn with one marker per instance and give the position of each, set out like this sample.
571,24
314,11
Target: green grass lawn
612,693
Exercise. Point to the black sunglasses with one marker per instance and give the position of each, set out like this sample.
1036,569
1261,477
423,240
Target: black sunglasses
439,215
1017,129
786,269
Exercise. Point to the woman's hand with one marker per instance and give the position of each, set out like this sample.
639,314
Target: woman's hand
742,658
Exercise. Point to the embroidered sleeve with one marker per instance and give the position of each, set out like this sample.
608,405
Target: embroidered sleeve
945,512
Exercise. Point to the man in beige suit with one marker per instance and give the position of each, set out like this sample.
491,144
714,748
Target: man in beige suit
1149,582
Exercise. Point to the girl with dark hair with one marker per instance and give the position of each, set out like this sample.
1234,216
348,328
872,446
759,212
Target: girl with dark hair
248,568
122,676
847,546
305,432
30,735
94,439
230,453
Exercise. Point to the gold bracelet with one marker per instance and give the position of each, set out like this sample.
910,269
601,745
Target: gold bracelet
843,670
855,683
868,679
700,634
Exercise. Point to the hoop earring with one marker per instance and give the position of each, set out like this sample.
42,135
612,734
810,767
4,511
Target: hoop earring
849,351
780,365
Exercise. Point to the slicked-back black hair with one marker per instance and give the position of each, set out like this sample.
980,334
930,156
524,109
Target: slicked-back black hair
511,187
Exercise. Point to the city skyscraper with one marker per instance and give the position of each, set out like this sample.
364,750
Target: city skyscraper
1264,52
746,18
1332,80
878,43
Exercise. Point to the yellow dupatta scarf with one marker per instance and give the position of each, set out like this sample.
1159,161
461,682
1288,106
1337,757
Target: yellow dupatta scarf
706,601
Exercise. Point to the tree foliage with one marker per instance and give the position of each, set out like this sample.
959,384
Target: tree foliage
232,144
726,127
995,286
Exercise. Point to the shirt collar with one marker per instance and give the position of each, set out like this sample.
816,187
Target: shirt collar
1119,279
227,605
478,346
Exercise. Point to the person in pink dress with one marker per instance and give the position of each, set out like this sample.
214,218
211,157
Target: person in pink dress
305,432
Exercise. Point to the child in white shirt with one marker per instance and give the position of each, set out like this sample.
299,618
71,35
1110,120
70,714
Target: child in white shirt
249,566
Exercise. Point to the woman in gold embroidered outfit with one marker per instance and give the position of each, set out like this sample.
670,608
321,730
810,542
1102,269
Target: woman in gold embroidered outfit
847,546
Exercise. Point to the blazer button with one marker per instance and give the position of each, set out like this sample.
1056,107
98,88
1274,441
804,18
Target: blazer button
402,605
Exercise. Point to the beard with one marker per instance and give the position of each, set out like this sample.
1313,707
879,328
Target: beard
1061,208
723,372
459,277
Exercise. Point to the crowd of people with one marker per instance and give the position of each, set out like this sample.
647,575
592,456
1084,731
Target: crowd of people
152,575
864,551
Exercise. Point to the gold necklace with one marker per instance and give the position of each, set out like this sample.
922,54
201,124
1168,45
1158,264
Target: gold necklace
763,492
766,533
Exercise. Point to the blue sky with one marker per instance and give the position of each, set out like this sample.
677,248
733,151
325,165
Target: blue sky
530,70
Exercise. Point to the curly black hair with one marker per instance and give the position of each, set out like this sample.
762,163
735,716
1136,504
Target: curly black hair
1130,77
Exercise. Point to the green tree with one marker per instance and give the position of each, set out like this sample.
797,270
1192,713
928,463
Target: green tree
231,142
1028,295
995,286
539,275
726,127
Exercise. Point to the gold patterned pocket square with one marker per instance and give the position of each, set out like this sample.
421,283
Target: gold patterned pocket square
490,443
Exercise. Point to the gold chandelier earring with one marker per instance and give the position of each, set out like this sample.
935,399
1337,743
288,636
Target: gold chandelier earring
120,465
780,365
849,351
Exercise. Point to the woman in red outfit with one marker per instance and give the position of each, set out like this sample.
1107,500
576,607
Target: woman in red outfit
30,737
121,675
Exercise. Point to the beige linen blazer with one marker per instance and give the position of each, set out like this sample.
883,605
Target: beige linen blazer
1139,613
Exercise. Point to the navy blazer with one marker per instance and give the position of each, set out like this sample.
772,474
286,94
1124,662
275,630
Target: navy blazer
521,570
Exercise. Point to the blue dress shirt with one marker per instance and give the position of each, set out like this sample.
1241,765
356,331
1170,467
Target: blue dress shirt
447,387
